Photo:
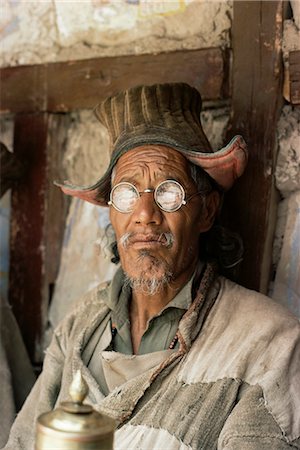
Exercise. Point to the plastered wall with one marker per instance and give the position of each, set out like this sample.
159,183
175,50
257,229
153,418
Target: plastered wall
36,32
286,249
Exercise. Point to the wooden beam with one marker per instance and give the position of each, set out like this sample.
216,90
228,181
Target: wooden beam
37,222
256,102
67,86
26,277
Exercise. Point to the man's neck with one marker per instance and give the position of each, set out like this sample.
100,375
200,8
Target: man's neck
145,306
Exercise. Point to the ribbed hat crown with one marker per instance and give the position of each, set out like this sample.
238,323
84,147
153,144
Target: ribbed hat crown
167,114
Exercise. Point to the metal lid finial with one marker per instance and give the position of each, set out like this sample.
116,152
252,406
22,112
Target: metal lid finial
78,388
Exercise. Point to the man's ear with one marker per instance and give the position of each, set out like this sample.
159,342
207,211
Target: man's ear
211,205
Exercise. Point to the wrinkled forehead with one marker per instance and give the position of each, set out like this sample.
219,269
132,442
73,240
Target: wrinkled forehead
158,161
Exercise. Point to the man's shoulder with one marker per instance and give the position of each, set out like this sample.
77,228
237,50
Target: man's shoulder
245,336
261,346
251,307
98,294
251,327
91,307
249,337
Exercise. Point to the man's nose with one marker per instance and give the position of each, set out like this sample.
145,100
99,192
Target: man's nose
146,210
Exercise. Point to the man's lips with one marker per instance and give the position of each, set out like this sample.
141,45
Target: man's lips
147,240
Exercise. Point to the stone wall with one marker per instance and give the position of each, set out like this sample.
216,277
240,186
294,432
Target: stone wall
286,250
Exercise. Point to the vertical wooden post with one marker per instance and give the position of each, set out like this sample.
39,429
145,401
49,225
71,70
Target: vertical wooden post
27,250
37,222
256,102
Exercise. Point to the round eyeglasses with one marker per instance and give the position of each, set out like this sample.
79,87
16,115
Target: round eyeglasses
169,195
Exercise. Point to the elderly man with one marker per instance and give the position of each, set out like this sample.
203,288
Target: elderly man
179,355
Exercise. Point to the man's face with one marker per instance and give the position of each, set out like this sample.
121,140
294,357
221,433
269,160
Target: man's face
154,244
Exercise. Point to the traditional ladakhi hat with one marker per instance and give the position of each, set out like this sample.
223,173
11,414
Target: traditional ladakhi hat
165,114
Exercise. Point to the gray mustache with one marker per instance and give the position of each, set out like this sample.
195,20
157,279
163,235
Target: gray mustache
166,239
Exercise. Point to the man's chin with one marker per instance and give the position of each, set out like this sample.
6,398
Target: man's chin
149,276
147,284
144,264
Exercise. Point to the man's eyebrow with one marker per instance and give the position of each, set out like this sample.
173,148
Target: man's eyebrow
178,178
158,178
126,179
167,176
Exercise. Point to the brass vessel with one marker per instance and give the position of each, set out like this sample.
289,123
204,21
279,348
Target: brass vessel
74,425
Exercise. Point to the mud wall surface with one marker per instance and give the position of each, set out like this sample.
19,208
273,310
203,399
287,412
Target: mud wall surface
35,32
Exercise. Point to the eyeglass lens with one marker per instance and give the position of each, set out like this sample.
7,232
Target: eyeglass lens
169,196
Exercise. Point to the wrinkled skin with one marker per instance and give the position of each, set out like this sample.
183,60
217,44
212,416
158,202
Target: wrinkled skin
145,167
147,254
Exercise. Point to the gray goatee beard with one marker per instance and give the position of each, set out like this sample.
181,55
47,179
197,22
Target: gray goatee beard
147,286
147,283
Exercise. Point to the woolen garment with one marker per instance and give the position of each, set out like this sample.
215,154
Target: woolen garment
158,335
233,384
16,373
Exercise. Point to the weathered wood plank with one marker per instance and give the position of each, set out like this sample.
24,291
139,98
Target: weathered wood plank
256,100
27,288
66,86
294,76
37,223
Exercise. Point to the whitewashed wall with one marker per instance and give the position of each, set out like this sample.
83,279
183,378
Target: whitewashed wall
57,30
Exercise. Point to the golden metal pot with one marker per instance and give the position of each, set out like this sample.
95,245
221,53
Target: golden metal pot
74,425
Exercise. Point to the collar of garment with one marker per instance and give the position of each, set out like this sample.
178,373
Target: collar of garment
118,300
